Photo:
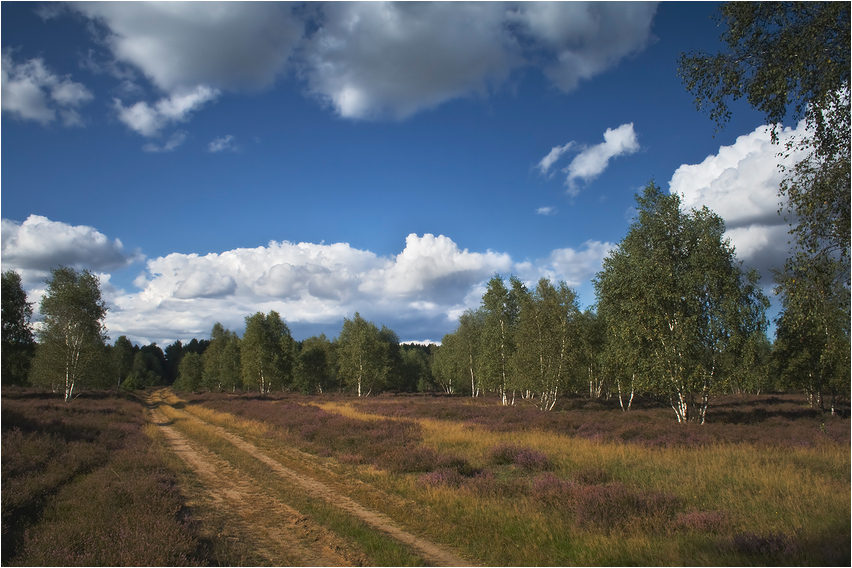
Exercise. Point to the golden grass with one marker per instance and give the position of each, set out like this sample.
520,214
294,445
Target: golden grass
763,490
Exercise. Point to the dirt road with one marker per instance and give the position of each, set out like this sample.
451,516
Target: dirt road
278,532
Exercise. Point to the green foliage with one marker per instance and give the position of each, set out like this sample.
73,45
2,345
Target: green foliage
785,56
221,360
545,339
501,308
190,373
455,366
811,350
123,354
72,351
316,369
18,342
267,353
364,356
675,300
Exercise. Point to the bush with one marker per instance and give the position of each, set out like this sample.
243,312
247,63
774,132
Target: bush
526,458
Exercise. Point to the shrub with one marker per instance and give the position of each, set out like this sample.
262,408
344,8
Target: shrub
554,491
526,458
612,506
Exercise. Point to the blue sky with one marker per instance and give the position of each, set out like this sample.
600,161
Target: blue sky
320,159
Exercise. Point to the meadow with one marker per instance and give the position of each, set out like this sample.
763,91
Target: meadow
765,482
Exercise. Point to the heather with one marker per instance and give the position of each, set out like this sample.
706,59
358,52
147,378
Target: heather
779,420
387,443
83,486
765,481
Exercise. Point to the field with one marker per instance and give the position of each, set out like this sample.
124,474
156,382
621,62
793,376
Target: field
419,480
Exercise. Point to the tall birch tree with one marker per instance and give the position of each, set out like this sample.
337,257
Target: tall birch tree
364,362
266,352
676,295
72,351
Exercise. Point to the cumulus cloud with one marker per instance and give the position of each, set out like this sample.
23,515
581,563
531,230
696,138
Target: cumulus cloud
150,120
740,184
39,244
30,91
370,59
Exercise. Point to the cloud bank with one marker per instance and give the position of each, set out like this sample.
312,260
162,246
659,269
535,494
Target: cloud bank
364,60
419,293
740,184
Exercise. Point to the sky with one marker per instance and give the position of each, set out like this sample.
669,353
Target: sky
209,161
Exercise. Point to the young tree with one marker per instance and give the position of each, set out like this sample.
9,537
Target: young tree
500,306
265,353
811,349
674,293
71,352
363,356
18,340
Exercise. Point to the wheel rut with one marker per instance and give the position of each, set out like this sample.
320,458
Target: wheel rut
283,534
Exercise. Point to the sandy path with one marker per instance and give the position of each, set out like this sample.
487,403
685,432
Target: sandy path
278,533
293,535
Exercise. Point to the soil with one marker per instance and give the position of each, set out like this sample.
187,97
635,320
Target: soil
278,533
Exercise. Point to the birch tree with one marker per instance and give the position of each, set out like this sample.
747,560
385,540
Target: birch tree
363,357
500,307
72,352
546,340
266,352
675,296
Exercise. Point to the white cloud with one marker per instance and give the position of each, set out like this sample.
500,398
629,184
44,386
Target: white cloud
174,141
375,59
593,160
740,184
370,59
150,120
576,267
221,144
30,91
554,154
546,210
39,244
